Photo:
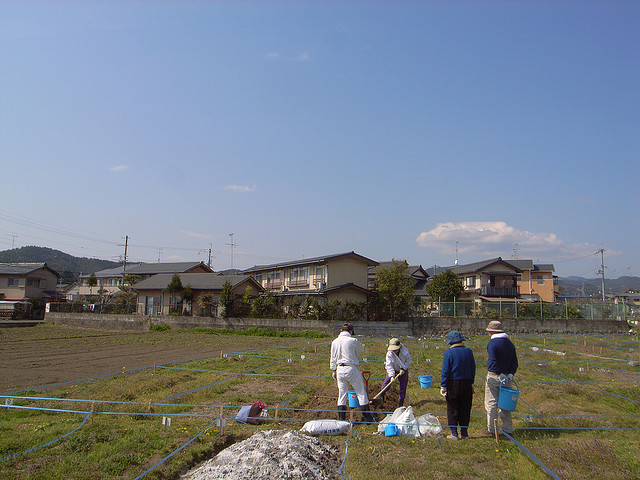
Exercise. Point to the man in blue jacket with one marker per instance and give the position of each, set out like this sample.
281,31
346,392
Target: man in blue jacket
501,366
456,384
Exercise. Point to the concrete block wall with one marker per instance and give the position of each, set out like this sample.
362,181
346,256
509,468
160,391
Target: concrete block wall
416,327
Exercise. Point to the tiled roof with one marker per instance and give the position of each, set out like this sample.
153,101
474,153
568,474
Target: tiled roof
306,261
197,281
23,268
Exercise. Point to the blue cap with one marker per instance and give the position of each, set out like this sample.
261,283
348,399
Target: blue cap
454,337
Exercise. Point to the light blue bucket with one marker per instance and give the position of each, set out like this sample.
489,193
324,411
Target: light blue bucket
391,430
508,398
425,381
353,399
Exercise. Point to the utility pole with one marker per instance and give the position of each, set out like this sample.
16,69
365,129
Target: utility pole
232,247
210,247
601,271
13,241
124,261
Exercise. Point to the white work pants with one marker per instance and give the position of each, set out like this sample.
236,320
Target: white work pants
491,395
351,376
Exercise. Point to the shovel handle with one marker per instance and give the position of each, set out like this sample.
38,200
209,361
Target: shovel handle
388,385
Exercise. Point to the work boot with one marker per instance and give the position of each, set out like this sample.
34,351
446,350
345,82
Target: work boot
342,412
366,414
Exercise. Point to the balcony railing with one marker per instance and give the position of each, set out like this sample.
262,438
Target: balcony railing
299,283
487,291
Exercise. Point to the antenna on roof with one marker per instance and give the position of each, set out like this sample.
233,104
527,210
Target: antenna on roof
515,250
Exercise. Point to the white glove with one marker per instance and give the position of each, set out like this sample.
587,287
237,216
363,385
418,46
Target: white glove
333,374
503,377
510,377
443,391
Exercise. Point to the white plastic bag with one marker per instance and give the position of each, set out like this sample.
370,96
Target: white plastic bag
429,425
405,421
325,427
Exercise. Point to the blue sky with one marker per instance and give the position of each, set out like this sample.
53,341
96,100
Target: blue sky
395,129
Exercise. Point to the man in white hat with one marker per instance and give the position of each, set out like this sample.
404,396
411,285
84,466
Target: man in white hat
501,366
397,362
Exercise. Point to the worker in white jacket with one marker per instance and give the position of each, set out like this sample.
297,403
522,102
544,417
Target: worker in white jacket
344,364
397,362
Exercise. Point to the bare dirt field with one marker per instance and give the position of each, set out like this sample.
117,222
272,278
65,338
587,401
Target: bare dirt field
45,355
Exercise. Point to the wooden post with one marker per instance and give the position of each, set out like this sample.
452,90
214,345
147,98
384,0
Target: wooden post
154,367
276,415
93,409
495,429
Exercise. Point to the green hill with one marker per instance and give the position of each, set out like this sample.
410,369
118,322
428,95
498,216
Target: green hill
66,265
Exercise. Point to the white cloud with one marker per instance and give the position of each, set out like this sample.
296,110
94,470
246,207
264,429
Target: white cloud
494,239
240,188
119,168
191,234
301,57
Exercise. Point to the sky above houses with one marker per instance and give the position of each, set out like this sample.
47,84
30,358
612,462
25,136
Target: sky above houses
272,131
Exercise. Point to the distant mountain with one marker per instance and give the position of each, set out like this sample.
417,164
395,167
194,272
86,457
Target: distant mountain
63,263
580,286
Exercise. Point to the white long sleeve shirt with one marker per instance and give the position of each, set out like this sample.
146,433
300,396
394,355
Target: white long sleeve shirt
345,350
394,363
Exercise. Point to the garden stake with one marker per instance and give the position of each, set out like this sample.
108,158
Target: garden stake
154,367
93,408
495,429
276,415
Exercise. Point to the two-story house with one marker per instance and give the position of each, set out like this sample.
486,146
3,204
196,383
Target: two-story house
499,279
536,281
341,276
27,281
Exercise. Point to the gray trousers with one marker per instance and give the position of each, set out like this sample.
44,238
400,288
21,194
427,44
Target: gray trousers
491,395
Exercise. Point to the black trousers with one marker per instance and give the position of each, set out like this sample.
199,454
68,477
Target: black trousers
459,396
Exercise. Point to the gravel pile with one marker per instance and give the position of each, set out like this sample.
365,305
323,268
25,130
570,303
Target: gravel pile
272,454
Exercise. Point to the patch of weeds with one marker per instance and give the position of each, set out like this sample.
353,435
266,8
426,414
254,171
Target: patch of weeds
160,328
578,460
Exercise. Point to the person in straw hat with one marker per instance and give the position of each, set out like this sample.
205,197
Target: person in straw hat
397,362
501,366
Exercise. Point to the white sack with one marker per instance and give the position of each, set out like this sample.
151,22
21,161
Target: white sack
325,427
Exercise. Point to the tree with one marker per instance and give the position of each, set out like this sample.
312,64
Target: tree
395,290
188,295
174,287
227,298
445,286
92,281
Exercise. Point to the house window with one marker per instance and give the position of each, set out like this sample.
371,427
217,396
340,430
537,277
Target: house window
13,282
258,278
321,273
274,279
299,277
470,281
33,282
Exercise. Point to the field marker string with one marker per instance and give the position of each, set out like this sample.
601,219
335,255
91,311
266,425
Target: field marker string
176,451
51,442
585,385
547,470
211,384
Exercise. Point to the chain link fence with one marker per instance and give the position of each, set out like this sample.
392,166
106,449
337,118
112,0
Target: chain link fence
568,309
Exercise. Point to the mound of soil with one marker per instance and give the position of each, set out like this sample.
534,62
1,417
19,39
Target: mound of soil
272,454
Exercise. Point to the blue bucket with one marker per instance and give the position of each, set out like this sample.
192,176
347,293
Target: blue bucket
391,430
353,399
425,381
508,398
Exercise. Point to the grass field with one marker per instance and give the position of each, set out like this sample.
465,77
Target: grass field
578,415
